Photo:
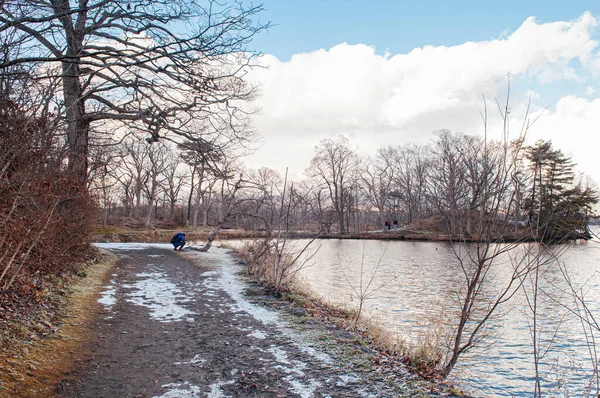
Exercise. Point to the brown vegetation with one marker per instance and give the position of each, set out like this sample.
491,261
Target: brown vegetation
44,219
39,347
392,350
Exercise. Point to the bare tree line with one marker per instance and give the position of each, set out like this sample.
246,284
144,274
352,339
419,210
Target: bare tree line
534,188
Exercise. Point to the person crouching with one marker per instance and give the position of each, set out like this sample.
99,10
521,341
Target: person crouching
178,241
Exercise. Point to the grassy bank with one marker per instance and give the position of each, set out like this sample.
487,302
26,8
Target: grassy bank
38,346
388,352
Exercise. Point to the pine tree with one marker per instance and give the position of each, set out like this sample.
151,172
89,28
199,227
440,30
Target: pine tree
557,207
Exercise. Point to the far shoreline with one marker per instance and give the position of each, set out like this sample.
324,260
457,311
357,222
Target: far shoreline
124,235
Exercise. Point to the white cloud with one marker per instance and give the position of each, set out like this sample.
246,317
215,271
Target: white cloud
379,100
575,129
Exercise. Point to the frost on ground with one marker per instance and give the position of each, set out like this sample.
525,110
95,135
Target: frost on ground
305,391
289,360
225,278
347,379
133,246
180,390
162,297
197,360
108,296
257,334
216,391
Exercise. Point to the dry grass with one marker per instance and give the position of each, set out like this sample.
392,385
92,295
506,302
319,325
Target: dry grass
35,368
423,359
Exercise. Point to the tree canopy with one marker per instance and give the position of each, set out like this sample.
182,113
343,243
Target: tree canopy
157,66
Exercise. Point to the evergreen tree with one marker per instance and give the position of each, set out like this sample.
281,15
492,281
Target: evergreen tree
557,207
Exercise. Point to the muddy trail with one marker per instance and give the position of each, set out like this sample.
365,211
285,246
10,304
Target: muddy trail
186,325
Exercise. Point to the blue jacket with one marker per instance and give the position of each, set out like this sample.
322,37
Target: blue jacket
178,239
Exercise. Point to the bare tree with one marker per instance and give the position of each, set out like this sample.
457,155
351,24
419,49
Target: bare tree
413,167
175,180
206,162
378,178
134,171
334,163
266,185
275,259
365,288
231,181
322,209
447,188
476,184
102,181
166,64
157,165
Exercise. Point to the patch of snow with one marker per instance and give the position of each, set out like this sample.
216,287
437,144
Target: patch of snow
225,277
365,394
347,379
210,273
155,255
257,334
298,369
194,361
184,390
134,246
162,297
321,356
108,297
227,281
170,385
280,355
216,391
304,390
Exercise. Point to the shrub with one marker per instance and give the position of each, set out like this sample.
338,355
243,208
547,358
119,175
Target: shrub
44,212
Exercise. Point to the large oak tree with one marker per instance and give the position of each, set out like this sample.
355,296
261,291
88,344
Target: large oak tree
160,65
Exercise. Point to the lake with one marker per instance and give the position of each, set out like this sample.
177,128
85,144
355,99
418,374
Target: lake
420,280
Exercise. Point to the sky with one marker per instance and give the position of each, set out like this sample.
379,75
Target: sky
385,72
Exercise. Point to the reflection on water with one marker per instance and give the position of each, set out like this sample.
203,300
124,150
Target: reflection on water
419,280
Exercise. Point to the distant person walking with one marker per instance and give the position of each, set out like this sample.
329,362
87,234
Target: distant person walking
178,241
387,226
395,224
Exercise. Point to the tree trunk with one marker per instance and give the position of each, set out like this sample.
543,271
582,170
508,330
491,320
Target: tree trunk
206,208
211,237
223,214
138,199
77,125
151,200
191,195
172,209
196,209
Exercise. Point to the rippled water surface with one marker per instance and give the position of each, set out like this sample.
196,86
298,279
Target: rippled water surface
416,282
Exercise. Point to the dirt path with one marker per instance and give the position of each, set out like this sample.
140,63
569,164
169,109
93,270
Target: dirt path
183,325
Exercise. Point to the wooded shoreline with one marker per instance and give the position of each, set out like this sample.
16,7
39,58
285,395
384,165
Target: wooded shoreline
236,234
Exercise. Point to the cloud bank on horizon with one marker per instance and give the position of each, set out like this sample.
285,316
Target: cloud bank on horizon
389,99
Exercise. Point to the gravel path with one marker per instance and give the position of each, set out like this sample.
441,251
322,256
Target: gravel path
183,325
